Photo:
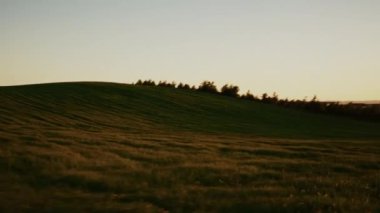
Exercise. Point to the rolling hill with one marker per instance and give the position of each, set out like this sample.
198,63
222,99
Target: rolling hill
92,146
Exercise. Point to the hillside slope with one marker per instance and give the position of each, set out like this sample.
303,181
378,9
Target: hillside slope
94,105
104,147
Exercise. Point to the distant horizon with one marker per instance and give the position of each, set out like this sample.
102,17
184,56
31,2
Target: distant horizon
308,98
295,48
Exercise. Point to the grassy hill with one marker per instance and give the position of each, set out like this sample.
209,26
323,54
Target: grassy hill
117,147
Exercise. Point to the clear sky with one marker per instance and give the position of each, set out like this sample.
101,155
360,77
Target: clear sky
297,48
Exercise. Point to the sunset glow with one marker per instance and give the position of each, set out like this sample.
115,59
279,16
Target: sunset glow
295,48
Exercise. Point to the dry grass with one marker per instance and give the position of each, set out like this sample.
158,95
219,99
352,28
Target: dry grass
183,171
93,159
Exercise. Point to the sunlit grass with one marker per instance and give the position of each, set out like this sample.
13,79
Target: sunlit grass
87,155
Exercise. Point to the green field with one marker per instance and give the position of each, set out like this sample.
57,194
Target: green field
108,147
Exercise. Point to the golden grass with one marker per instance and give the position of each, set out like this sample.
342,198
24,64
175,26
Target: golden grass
181,171
68,152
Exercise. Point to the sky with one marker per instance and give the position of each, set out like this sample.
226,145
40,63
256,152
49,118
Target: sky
297,48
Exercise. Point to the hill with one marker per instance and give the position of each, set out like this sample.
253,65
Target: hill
91,146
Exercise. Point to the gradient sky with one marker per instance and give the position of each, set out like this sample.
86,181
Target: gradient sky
297,48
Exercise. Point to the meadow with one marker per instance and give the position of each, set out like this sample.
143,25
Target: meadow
105,147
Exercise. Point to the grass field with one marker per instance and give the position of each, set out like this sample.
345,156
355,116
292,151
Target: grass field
107,147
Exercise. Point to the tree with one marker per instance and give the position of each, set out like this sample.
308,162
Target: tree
248,96
166,84
264,97
148,83
230,90
208,86
139,82
186,86
180,86
183,86
274,98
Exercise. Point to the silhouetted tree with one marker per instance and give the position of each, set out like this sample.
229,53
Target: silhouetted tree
230,90
274,98
166,84
264,98
148,83
183,86
283,102
248,96
356,110
186,86
314,105
208,86
139,82
180,86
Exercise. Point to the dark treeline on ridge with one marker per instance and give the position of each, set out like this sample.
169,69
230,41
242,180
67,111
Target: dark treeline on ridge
356,110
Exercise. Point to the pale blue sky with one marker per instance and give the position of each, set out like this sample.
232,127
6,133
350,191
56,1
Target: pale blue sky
297,48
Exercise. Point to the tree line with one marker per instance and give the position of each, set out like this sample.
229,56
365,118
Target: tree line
356,110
